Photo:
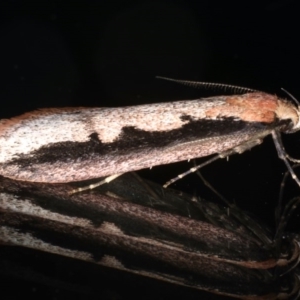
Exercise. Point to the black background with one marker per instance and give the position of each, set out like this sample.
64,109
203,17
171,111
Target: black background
107,53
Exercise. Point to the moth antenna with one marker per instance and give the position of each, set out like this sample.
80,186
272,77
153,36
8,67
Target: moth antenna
292,97
210,85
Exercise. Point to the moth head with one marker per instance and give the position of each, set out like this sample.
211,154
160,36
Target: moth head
295,120
297,126
296,107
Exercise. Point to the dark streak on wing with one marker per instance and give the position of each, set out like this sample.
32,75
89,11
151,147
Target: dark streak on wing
140,257
136,140
156,227
150,254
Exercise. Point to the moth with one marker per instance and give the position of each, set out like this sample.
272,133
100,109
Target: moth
138,227
58,145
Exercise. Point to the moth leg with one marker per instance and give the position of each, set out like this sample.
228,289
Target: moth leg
94,185
194,169
146,186
289,209
246,223
207,184
238,149
294,160
283,155
278,137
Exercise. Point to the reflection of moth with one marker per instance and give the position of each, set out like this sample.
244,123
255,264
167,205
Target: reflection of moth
138,227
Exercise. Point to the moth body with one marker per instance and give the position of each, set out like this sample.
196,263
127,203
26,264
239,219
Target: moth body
74,144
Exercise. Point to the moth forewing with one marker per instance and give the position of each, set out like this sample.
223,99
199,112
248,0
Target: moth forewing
75,144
